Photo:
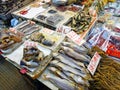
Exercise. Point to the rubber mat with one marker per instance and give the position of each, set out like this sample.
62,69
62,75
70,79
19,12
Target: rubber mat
11,79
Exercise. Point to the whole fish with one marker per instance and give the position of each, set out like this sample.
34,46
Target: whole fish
64,67
25,27
22,25
30,64
69,61
75,55
31,30
61,83
58,72
78,79
79,49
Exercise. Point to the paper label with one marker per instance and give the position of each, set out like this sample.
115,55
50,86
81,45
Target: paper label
48,31
94,63
30,44
75,37
63,29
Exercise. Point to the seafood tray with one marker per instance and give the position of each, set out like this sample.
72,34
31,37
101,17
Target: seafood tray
30,10
27,27
33,70
48,38
80,22
61,71
53,17
9,41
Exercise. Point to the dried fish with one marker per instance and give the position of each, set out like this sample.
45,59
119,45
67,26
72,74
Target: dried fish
79,49
75,55
31,30
61,83
69,61
30,64
58,73
47,42
78,79
64,67
37,37
23,26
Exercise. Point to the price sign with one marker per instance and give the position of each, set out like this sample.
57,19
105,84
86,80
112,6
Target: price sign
94,63
30,44
74,37
63,29
46,30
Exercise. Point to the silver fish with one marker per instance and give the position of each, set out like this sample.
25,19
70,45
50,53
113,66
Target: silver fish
22,25
61,83
31,30
58,73
75,55
69,61
79,49
77,79
64,67
25,27
30,64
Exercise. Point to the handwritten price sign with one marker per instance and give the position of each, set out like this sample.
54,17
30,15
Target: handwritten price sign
63,29
75,37
94,63
30,44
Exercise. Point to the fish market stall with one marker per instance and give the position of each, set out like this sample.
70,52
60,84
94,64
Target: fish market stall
82,53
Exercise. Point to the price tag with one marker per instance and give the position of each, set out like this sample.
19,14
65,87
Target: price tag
94,63
63,29
93,12
30,44
74,37
48,31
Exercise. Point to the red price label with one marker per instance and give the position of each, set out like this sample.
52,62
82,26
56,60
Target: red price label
94,63
46,30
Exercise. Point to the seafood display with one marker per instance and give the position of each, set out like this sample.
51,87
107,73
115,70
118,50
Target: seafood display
54,19
107,76
9,40
76,52
35,58
32,57
67,46
56,15
63,68
80,22
27,27
48,40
